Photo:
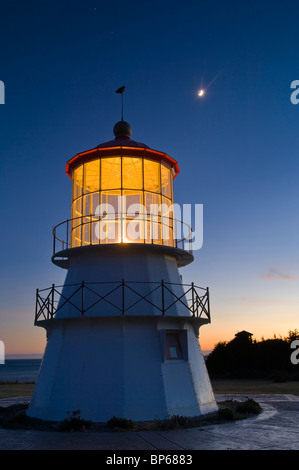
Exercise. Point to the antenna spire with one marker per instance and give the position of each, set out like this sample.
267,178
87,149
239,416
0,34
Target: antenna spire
120,91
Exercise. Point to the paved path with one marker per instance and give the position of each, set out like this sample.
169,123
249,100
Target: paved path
276,428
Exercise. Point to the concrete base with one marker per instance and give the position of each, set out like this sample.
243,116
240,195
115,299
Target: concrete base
103,367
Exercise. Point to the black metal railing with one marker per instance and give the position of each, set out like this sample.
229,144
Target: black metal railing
50,301
155,229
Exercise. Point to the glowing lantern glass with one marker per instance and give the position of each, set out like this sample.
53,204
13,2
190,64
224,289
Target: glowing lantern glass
119,199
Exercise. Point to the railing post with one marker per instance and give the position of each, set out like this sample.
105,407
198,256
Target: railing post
151,228
208,298
163,306
54,238
36,297
67,232
193,311
82,299
52,300
123,297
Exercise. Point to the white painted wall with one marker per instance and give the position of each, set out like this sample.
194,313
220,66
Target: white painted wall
108,367
108,267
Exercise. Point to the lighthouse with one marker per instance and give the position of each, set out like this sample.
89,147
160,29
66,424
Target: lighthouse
123,330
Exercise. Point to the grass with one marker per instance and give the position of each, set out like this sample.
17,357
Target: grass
8,390
221,386
254,386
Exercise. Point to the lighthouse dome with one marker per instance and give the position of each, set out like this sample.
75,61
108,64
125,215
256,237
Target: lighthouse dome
122,129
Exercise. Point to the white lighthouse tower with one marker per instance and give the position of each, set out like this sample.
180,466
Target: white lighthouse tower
122,332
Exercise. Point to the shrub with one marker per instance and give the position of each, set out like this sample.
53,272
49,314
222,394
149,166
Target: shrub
227,414
249,407
176,421
75,423
121,423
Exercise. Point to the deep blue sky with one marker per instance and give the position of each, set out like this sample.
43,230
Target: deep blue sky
237,148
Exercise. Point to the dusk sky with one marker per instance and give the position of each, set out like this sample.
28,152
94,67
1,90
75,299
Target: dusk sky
237,146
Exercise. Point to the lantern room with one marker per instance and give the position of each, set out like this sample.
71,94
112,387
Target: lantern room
122,192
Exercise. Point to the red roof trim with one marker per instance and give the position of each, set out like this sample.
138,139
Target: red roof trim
111,151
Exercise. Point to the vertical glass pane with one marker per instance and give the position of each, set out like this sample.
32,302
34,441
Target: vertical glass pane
132,173
77,182
167,222
87,204
86,233
76,236
94,227
133,217
76,222
152,203
151,176
95,198
132,203
108,231
77,212
166,180
111,202
92,176
111,173
109,217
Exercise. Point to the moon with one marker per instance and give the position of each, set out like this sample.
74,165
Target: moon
200,93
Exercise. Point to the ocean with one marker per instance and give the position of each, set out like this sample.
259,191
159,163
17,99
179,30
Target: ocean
19,370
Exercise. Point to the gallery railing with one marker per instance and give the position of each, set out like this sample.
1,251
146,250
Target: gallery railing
93,230
50,300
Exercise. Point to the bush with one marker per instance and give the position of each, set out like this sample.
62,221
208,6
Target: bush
121,423
239,410
175,422
249,407
227,414
75,423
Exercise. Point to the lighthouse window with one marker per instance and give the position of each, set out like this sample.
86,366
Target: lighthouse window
77,212
132,203
132,173
166,222
76,236
166,181
87,204
94,203
86,234
152,205
92,176
111,173
173,347
110,203
97,185
78,182
151,176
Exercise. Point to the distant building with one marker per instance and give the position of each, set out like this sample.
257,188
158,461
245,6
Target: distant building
244,335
